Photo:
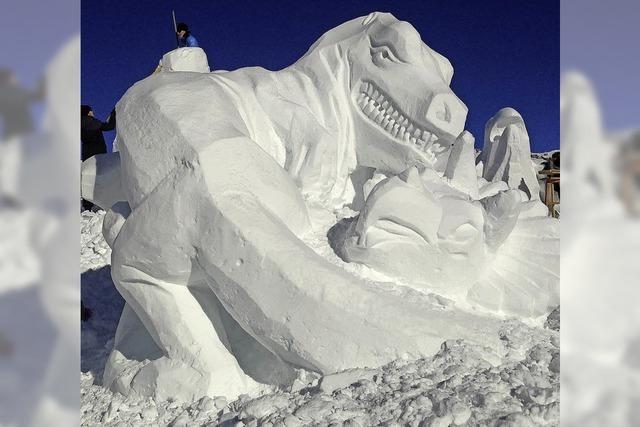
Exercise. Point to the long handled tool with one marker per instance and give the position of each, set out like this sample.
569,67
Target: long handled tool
175,28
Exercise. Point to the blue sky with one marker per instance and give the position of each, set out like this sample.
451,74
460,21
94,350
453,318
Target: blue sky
505,53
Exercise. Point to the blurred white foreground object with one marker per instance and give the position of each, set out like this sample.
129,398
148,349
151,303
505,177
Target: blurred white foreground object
600,269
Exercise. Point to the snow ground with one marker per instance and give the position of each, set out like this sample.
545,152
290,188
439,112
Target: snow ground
454,387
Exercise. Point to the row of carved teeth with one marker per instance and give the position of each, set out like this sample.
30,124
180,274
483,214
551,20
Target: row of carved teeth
381,110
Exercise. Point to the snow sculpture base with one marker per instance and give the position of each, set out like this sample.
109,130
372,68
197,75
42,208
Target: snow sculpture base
229,179
186,59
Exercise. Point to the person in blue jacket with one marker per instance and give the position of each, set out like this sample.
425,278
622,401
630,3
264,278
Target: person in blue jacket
185,39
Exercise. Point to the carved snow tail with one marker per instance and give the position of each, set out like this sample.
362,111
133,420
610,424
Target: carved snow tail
523,279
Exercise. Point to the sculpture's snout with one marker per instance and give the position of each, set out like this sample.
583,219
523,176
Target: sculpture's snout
447,112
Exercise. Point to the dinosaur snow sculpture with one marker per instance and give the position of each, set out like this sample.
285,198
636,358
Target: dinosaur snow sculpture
226,177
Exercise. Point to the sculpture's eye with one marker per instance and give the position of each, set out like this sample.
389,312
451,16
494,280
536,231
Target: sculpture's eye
382,53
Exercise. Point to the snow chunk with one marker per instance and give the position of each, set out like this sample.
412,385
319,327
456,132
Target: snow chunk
186,59
343,379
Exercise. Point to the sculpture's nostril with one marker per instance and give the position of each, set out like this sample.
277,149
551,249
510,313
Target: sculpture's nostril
444,113
440,109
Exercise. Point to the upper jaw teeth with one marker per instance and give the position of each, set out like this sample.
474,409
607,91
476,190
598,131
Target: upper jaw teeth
381,110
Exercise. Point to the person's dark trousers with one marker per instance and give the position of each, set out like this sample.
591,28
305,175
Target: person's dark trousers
85,313
87,205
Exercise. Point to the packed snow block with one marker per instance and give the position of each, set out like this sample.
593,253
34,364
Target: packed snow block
506,154
100,180
461,169
186,59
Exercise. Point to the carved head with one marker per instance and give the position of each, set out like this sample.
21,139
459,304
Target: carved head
416,227
400,104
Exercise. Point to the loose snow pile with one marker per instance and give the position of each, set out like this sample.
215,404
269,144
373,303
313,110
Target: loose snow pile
454,387
94,251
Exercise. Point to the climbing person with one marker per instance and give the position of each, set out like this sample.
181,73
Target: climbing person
91,137
16,124
91,131
185,39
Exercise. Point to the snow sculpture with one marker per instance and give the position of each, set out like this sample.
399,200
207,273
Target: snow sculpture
227,176
506,154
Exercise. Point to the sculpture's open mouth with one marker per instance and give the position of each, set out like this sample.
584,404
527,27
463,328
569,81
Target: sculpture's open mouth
385,113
